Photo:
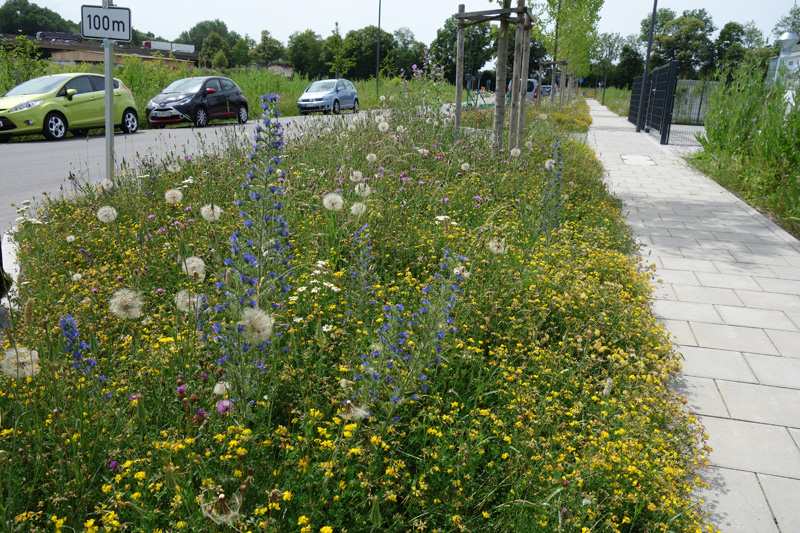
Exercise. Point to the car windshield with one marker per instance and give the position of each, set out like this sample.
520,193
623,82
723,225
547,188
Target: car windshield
186,85
321,86
37,86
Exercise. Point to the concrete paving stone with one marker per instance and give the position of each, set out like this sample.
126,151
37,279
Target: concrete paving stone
718,364
752,447
735,501
709,254
769,300
736,338
780,286
786,272
724,245
749,238
774,370
761,403
786,342
662,291
795,433
689,311
674,242
652,251
771,249
664,224
783,495
652,231
760,259
693,265
711,295
702,396
677,277
689,233
755,318
745,269
680,332
727,281
793,260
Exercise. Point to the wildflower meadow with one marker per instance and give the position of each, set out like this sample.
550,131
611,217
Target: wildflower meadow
373,326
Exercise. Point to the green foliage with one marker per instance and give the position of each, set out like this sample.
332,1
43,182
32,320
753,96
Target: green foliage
19,61
20,17
335,56
199,32
212,44
268,50
788,22
304,51
362,46
220,61
572,31
617,100
752,142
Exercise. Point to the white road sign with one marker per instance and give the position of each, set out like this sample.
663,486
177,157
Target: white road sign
106,23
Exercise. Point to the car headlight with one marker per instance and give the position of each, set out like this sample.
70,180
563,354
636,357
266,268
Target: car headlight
25,105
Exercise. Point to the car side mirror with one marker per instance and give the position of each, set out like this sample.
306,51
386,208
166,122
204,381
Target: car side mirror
209,90
71,93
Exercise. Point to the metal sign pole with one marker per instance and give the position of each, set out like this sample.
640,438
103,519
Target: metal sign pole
108,46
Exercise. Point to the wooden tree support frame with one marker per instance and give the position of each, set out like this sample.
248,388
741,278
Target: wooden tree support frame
522,18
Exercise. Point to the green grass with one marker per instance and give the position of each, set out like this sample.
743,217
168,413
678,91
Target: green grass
396,331
617,100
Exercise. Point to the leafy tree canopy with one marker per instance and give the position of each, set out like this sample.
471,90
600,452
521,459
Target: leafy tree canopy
362,46
212,44
304,51
477,47
200,31
268,50
16,15
788,22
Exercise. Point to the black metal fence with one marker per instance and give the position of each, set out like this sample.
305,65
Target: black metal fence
655,114
673,110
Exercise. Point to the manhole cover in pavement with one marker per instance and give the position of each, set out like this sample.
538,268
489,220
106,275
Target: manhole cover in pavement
637,160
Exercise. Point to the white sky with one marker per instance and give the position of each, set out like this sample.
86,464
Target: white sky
168,18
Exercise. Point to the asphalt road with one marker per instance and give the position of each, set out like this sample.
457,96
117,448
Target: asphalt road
31,167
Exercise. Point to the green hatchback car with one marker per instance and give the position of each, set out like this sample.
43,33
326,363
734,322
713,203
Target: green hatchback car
54,105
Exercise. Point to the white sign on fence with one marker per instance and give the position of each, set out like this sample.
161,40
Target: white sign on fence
106,23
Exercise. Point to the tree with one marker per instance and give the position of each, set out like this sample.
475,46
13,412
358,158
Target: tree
241,52
664,15
334,55
753,37
19,17
219,61
573,31
789,22
211,45
362,45
408,51
200,31
687,40
268,50
729,47
477,47
631,64
304,52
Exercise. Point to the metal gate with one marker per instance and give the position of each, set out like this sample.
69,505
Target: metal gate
659,98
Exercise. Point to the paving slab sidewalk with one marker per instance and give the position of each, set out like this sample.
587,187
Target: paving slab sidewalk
729,293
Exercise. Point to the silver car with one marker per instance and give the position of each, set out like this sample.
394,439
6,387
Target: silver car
328,96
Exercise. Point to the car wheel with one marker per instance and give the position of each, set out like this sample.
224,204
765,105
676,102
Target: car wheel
55,126
201,117
242,115
130,121
335,107
355,106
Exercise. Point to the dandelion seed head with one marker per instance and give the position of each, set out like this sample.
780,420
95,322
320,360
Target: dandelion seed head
106,214
173,196
195,268
333,201
363,190
358,209
126,303
497,246
257,325
211,212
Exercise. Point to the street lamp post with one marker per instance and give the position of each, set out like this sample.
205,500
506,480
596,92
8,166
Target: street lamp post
378,59
646,68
